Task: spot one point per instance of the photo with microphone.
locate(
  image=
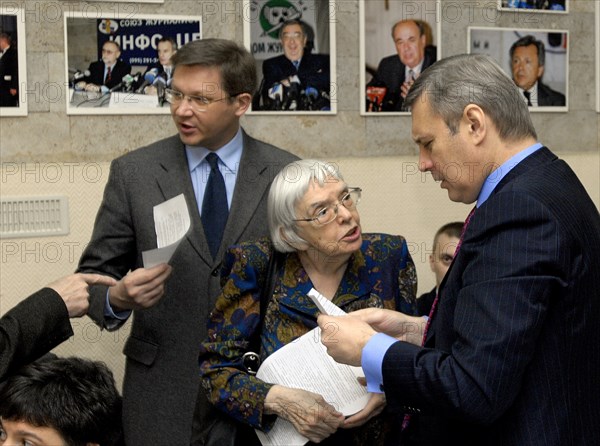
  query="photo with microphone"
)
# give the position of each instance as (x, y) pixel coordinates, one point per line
(123, 65)
(298, 79)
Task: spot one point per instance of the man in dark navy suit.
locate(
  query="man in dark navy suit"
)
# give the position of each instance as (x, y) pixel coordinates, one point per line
(163, 68)
(107, 72)
(297, 79)
(397, 73)
(509, 355)
(527, 59)
(9, 72)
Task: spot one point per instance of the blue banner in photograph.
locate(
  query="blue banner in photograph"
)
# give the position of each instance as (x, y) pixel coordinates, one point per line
(138, 38)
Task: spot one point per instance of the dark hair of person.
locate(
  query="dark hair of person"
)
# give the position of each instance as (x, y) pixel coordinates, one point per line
(238, 68)
(293, 22)
(76, 397)
(452, 229)
(530, 40)
(171, 40)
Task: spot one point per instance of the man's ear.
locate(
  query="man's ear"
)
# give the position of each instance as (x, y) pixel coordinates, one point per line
(244, 101)
(474, 117)
(540, 72)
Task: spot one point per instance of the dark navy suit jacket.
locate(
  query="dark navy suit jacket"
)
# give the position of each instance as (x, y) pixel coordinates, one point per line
(547, 96)
(96, 69)
(9, 78)
(313, 71)
(516, 333)
(390, 74)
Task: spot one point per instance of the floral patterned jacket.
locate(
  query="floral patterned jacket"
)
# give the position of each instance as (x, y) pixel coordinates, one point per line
(382, 275)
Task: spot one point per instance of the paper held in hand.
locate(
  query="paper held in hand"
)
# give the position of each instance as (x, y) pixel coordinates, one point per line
(305, 364)
(171, 223)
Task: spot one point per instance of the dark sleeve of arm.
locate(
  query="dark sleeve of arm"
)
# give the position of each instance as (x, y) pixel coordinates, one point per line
(112, 248)
(31, 329)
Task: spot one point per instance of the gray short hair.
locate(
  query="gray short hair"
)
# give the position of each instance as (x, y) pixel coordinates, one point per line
(288, 187)
(454, 82)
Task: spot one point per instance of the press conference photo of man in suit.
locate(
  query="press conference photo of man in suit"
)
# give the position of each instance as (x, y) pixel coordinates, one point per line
(224, 175)
(527, 60)
(9, 72)
(297, 79)
(107, 72)
(508, 355)
(395, 74)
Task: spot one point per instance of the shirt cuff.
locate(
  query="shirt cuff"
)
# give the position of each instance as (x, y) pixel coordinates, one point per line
(110, 314)
(372, 360)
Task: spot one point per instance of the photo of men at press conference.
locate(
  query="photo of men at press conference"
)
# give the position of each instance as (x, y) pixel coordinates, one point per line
(291, 44)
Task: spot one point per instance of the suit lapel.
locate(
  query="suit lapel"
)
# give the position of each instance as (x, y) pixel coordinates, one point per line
(174, 179)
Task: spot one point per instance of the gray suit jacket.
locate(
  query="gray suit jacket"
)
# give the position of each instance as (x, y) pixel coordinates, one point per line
(162, 374)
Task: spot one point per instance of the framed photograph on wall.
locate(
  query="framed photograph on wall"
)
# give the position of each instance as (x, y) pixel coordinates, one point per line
(552, 6)
(13, 72)
(120, 64)
(536, 59)
(293, 42)
(398, 40)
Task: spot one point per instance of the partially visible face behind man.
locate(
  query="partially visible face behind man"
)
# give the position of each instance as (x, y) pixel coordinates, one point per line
(165, 51)
(21, 433)
(410, 44)
(526, 69)
(441, 258)
(294, 41)
(110, 53)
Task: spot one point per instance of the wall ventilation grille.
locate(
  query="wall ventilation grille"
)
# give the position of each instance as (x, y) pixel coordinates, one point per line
(34, 216)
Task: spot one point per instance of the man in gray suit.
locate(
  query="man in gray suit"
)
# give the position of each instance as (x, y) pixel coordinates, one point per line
(212, 86)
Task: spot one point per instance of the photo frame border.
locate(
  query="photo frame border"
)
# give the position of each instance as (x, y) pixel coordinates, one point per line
(539, 109)
(22, 109)
(362, 42)
(332, 66)
(533, 11)
(127, 110)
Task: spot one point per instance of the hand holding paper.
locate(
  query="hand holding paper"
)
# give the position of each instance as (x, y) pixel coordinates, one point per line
(171, 223)
(304, 364)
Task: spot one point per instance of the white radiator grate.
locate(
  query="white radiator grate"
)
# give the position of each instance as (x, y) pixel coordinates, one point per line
(34, 216)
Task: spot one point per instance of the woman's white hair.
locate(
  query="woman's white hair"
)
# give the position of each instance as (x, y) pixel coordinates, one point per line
(288, 187)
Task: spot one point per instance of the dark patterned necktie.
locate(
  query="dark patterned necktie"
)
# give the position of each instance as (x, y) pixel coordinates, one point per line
(528, 97)
(214, 206)
(406, 420)
(108, 76)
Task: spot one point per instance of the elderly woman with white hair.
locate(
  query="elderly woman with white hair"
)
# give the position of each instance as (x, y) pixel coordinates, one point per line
(314, 221)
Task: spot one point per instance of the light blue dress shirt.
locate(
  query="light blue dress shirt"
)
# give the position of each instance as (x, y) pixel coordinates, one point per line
(375, 350)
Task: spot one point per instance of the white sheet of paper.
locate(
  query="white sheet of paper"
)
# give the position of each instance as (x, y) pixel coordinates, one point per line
(305, 364)
(324, 305)
(171, 223)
